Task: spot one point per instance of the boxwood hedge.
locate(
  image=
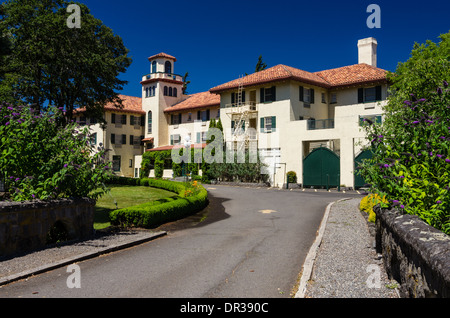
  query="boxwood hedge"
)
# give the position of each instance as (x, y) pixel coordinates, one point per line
(152, 214)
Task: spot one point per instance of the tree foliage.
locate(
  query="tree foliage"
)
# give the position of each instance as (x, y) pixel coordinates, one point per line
(53, 64)
(411, 149)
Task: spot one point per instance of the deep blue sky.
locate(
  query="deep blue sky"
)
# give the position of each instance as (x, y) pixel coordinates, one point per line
(217, 41)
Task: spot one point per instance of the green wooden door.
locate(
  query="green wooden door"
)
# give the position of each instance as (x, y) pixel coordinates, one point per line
(321, 168)
(359, 180)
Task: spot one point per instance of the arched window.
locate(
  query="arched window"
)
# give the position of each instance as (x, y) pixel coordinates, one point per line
(166, 91)
(175, 92)
(154, 67)
(153, 90)
(168, 68)
(170, 91)
(150, 120)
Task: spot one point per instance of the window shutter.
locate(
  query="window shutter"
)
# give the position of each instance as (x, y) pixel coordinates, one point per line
(207, 114)
(274, 124)
(243, 97)
(262, 125)
(179, 118)
(311, 98)
(360, 95)
(199, 115)
(143, 121)
(113, 118)
(233, 99)
(262, 96)
(131, 139)
(171, 140)
(198, 137)
(113, 139)
(171, 119)
(301, 93)
(378, 93)
(232, 124)
(274, 93)
(131, 120)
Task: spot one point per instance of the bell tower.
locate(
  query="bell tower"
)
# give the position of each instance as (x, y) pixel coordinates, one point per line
(161, 88)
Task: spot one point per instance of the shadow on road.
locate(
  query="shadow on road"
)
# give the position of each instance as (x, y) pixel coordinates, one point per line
(214, 212)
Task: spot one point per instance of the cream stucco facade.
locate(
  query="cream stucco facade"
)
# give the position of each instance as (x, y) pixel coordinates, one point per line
(285, 116)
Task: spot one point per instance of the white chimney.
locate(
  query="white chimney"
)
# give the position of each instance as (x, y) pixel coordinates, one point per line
(367, 51)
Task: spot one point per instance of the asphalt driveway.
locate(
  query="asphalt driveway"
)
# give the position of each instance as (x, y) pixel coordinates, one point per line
(249, 243)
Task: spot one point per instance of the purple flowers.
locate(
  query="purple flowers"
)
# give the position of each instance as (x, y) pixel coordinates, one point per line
(445, 84)
(65, 166)
(447, 160)
(438, 202)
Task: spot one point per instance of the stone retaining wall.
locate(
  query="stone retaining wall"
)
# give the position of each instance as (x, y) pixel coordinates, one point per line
(415, 254)
(24, 225)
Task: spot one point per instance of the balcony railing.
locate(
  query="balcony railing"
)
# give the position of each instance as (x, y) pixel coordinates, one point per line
(161, 75)
(314, 124)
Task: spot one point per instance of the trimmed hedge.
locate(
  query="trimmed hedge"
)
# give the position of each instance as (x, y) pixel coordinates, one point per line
(152, 214)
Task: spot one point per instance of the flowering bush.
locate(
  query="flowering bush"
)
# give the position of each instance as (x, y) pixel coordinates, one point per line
(42, 159)
(411, 158)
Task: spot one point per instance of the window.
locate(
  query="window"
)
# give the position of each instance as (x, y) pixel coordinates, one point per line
(93, 139)
(170, 91)
(124, 119)
(307, 96)
(189, 117)
(116, 163)
(150, 120)
(175, 92)
(175, 140)
(324, 98)
(124, 139)
(203, 115)
(113, 118)
(333, 98)
(373, 118)
(113, 139)
(166, 91)
(130, 165)
(131, 140)
(175, 119)
(153, 67)
(370, 94)
(268, 94)
(268, 124)
(168, 67)
(201, 137)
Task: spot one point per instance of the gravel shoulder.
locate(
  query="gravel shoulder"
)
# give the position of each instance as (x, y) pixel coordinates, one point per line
(346, 263)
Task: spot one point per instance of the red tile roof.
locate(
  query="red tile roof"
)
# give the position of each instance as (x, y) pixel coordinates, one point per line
(163, 55)
(353, 74)
(343, 76)
(131, 105)
(196, 101)
(162, 148)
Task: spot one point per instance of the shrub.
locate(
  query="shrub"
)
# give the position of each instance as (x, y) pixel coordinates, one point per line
(368, 202)
(411, 148)
(43, 159)
(292, 177)
(150, 214)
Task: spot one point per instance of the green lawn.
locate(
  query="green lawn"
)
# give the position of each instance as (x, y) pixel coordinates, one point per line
(125, 196)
